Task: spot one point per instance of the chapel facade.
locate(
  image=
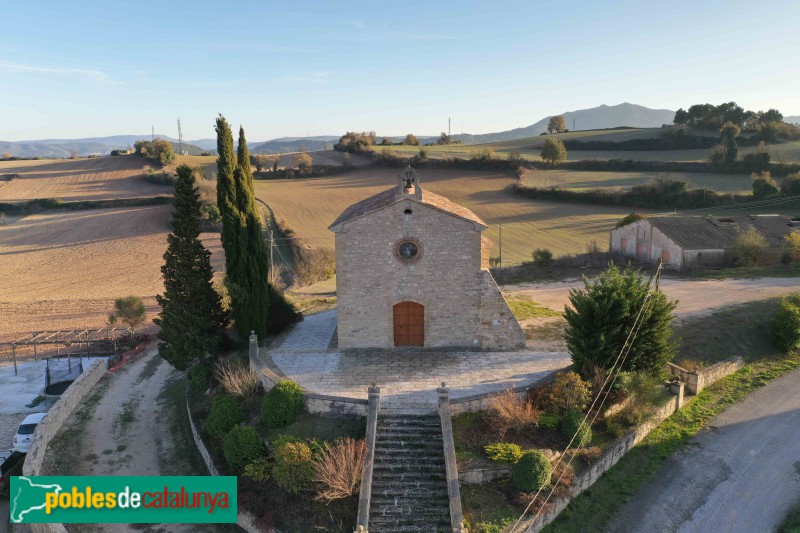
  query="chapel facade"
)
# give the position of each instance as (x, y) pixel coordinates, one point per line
(409, 273)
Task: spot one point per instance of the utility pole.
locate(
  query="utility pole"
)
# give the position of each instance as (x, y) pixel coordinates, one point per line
(152, 133)
(271, 261)
(448, 126)
(573, 124)
(180, 137)
(501, 246)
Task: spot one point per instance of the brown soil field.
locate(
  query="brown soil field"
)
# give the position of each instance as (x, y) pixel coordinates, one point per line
(64, 270)
(101, 178)
(309, 205)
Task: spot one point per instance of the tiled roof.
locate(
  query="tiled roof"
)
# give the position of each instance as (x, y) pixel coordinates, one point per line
(390, 196)
(709, 233)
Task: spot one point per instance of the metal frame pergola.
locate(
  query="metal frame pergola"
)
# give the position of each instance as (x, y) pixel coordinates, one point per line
(84, 338)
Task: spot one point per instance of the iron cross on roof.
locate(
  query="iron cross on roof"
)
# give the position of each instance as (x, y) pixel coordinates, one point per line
(409, 177)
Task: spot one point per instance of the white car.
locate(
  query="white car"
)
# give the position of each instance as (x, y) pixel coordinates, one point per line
(22, 440)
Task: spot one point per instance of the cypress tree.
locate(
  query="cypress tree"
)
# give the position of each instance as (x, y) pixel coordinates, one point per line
(191, 319)
(226, 193)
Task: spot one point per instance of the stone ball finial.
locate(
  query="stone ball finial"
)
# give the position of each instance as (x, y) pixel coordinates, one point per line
(444, 385)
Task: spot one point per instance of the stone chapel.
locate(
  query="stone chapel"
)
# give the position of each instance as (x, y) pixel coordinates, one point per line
(409, 272)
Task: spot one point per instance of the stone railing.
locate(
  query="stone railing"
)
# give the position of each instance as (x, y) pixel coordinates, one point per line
(697, 380)
(365, 492)
(451, 469)
(482, 401)
(51, 424)
(320, 404)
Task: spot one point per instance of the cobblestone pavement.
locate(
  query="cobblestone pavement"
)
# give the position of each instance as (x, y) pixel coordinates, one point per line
(406, 377)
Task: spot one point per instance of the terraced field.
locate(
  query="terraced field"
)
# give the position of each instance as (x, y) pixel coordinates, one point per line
(310, 205)
(103, 178)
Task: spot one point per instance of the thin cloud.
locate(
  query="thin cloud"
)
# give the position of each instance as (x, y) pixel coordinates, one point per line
(91, 74)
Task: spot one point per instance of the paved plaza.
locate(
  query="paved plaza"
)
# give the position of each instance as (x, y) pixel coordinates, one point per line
(406, 377)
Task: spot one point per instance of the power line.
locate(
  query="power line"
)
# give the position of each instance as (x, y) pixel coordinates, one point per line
(618, 362)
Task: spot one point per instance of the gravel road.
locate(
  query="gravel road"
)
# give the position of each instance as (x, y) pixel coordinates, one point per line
(695, 296)
(740, 474)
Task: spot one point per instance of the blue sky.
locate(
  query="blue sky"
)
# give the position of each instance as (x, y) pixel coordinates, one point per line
(81, 69)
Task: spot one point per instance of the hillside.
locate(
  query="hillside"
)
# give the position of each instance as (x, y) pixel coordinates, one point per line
(62, 148)
(792, 120)
(602, 117)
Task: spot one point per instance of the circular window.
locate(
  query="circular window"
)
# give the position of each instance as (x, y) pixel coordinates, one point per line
(408, 250)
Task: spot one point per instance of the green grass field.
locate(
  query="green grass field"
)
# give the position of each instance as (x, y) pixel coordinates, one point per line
(530, 148)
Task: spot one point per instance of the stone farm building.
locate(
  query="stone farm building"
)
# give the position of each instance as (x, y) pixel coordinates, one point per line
(409, 273)
(690, 241)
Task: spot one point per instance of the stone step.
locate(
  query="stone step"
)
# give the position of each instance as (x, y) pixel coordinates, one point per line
(396, 459)
(391, 441)
(403, 490)
(410, 430)
(401, 420)
(427, 504)
(409, 453)
(407, 524)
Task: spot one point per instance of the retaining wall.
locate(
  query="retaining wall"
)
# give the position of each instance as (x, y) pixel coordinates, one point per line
(244, 519)
(51, 424)
(697, 380)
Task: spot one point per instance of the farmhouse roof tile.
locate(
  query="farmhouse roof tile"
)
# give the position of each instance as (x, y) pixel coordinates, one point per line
(390, 196)
(710, 233)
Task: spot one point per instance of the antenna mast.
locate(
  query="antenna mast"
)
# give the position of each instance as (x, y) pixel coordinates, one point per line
(448, 126)
(152, 133)
(180, 137)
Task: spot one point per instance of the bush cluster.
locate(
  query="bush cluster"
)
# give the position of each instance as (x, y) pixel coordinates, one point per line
(282, 404)
(241, 446)
(293, 470)
(200, 374)
(503, 452)
(572, 424)
(225, 413)
(532, 471)
(784, 327)
(570, 393)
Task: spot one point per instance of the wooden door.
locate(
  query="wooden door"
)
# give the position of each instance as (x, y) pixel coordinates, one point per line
(409, 324)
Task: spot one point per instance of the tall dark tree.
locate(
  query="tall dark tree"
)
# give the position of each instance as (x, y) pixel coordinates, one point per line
(191, 319)
(602, 316)
(728, 134)
(226, 194)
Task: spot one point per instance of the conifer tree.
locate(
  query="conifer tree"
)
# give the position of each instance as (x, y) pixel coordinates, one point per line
(191, 319)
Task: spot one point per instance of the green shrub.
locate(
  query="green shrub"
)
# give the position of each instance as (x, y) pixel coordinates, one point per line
(199, 375)
(784, 327)
(532, 471)
(283, 439)
(542, 257)
(225, 413)
(503, 452)
(644, 391)
(294, 467)
(614, 427)
(282, 404)
(573, 424)
(259, 469)
(549, 420)
(242, 445)
(282, 313)
(570, 392)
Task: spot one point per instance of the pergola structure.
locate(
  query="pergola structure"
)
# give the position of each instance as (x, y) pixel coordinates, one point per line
(85, 340)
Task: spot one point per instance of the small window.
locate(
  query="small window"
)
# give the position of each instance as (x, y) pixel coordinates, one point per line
(665, 256)
(26, 429)
(624, 244)
(407, 211)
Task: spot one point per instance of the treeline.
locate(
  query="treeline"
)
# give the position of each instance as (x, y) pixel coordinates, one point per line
(768, 125)
(659, 194)
(47, 204)
(669, 140)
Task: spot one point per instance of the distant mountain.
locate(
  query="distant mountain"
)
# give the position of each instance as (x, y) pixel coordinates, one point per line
(92, 145)
(295, 144)
(601, 117)
(792, 120)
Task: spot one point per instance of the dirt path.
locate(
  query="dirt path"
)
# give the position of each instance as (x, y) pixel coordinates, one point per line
(740, 474)
(695, 297)
(134, 424)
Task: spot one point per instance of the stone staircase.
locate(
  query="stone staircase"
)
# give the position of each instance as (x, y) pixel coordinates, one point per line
(409, 484)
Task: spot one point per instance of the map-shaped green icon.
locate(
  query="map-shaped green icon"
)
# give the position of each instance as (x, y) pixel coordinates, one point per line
(28, 497)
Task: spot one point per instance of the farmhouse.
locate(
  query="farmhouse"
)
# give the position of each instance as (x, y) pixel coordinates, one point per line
(688, 241)
(409, 273)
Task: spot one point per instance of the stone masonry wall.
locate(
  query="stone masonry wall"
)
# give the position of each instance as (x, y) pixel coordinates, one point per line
(51, 424)
(446, 279)
(499, 328)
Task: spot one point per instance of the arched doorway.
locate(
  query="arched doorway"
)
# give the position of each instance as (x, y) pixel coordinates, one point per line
(409, 324)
